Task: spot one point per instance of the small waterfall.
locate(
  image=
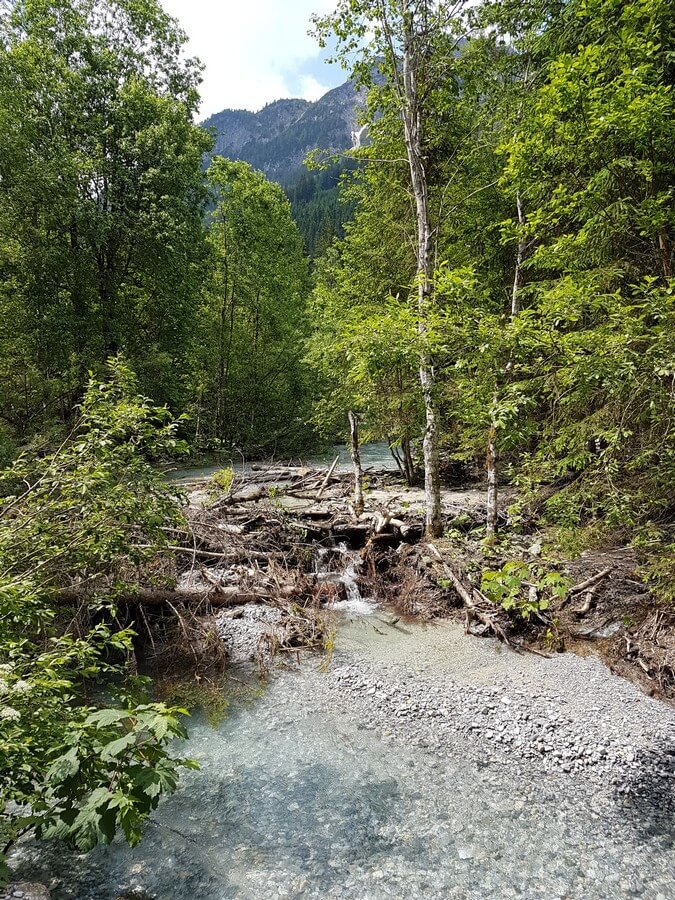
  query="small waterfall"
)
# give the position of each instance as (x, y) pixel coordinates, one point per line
(347, 574)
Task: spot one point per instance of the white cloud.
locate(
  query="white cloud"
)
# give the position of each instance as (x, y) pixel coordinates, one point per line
(255, 51)
(311, 88)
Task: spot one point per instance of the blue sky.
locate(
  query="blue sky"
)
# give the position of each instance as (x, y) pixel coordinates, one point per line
(255, 51)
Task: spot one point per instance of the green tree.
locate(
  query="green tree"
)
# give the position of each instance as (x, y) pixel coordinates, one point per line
(411, 42)
(372, 277)
(593, 163)
(249, 384)
(101, 200)
(363, 343)
(550, 192)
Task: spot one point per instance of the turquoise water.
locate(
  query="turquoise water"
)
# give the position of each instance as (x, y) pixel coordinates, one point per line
(377, 456)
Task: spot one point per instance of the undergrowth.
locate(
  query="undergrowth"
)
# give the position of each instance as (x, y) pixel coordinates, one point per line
(207, 695)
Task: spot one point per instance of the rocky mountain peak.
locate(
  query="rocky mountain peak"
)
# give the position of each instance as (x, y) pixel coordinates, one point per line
(278, 137)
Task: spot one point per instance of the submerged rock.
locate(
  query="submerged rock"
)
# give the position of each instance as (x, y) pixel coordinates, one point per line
(25, 890)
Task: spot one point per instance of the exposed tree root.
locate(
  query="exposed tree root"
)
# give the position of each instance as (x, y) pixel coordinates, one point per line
(652, 647)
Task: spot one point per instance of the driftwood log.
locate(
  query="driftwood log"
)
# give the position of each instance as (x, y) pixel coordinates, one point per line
(212, 594)
(156, 596)
(589, 587)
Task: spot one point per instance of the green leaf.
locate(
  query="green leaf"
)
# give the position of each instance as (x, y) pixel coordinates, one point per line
(64, 767)
(117, 747)
(104, 717)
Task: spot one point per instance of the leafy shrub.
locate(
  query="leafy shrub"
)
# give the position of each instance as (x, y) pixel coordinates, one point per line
(510, 588)
(82, 519)
(222, 479)
(658, 567)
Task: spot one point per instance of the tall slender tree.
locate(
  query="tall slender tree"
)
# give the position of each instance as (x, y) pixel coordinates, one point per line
(248, 384)
(403, 39)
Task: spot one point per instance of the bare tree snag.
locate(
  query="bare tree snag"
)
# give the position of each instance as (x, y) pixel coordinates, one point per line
(520, 256)
(356, 463)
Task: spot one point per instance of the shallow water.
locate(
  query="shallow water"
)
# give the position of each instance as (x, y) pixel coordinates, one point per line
(297, 797)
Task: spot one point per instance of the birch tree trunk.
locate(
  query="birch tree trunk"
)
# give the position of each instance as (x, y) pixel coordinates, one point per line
(356, 462)
(412, 122)
(493, 489)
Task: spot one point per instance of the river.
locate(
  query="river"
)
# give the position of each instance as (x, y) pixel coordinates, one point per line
(375, 455)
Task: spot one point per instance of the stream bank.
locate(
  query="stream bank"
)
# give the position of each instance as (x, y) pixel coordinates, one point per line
(255, 540)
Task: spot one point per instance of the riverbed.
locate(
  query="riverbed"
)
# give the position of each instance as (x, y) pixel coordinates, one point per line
(419, 764)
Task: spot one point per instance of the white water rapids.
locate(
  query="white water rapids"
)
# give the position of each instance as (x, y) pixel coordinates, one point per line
(346, 573)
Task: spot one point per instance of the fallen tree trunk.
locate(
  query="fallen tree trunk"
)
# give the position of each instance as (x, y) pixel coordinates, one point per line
(236, 554)
(215, 597)
(589, 586)
(328, 477)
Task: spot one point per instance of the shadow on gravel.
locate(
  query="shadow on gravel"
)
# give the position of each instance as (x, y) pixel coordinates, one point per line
(271, 828)
(647, 796)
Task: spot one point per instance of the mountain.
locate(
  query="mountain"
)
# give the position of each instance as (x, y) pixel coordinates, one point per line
(277, 139)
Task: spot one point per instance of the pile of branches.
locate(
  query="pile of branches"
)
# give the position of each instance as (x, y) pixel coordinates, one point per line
(419, 581)
(300, 628)
(255, 542)
(403, 579)
(239, 548)
(178, 638)
(651, 646)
